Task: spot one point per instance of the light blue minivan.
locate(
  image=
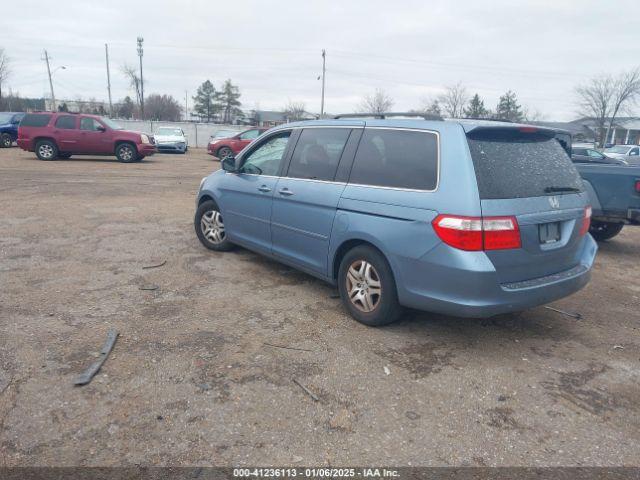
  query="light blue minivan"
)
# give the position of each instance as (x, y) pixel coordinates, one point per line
(461, 217)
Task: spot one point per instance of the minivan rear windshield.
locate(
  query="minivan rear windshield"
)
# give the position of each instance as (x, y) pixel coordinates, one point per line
(512, 163)
(35, 120)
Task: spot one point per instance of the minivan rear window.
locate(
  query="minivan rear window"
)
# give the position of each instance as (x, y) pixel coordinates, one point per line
(511, 163)
(396, 158)
(35, 120)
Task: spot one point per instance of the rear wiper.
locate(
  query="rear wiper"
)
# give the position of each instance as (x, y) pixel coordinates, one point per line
(561, 189)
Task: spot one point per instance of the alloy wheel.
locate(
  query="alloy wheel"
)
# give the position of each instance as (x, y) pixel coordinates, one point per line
(126, 153)
(212, 226)
(45, 151)
(363, 286)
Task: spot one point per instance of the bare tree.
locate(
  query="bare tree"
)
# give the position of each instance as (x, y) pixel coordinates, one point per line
(378, 102)
(4, 69)
(294, 111)
(595, 101)
(131, 74)
(162, 107)
(454, 100)
(626, 90)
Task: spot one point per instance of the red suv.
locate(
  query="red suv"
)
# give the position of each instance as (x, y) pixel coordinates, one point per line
(60, 135)
(223, 147)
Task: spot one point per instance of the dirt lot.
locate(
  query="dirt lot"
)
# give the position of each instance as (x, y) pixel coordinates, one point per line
(193, 380)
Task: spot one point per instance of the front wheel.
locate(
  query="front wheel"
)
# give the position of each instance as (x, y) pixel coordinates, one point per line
(5, 140)
(126, 153)
(367, 287)
(210, 227)
(602, 231)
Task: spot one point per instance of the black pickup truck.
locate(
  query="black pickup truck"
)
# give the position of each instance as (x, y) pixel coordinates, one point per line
(614, 191)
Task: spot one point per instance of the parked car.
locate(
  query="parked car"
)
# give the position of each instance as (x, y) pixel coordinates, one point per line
(628, 153)
(591, 155)
(233, 145)
(171, 139)
(9, 128)
(61, 135)
(465, 218)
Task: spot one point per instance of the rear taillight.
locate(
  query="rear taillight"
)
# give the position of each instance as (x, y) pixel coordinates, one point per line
(478, 233)
(586, 221)
(638, 186)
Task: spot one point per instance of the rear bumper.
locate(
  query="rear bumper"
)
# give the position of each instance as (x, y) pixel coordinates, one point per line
(465, 284)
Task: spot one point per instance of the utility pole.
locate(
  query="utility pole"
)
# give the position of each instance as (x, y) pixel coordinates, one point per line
(106, 52)
(53, 97)
(324, 55)
(140, 53)
(186, 107)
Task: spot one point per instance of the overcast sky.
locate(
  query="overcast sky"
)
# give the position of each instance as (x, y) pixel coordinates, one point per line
(540, 49)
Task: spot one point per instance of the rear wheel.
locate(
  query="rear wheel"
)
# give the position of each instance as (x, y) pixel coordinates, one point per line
(126, 153)
(46, 150)
(224, 152)
(5, 140)
(602, 231)
(367, 287)
(210, 227)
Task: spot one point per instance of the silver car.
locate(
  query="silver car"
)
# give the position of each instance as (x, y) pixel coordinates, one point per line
(628, 153)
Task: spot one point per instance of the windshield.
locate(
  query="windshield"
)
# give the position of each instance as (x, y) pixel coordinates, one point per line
(622, 150)
(110, 123)
(514, 164)
(169, 131)
(5, 118)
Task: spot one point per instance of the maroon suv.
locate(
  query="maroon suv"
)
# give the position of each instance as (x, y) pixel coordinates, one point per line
(60, 135)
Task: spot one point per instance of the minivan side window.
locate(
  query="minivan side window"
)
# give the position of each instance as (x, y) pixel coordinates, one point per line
(66, 122)
(318, 153)
(35, 120)
(267, 157)
(396, 158)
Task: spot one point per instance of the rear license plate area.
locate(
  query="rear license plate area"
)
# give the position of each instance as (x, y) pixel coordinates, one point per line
(549, 232)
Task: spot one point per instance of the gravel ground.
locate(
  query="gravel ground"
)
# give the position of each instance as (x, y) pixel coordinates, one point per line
(195, 378)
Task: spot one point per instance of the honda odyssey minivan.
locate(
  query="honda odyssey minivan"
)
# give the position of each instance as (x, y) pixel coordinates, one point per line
(465, 218)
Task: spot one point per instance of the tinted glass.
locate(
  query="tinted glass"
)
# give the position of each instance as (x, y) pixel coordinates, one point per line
(250, 135)
(396, 158)
(35, 120)
(318, 152)
(579, 151)
(634, 152)
(89, 124)
(266, 159)
(594, 154)
(514, 164)
(67, 122)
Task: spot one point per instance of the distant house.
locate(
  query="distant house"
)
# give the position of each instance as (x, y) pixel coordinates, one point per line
(625, 130)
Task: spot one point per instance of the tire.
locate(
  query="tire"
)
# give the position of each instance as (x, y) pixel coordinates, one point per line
(368, 267)
(224, 152)
(210, 227)
(64, 155)
(46, 150)
(602, 231)
(126, 153)
(6, 141)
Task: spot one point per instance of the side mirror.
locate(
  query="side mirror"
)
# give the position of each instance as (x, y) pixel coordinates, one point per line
(100, 128)
(229, 164)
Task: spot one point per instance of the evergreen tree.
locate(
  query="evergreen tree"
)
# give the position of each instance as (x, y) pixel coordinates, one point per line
(476, 109)
(508, 108)
(229, 101)
(126, 108)
(206, 100)
(433, 109)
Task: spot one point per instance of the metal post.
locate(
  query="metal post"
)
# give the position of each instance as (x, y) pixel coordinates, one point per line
(186, 107)
(53, 97)
(324, 54)
(140, 53)
(106, 51)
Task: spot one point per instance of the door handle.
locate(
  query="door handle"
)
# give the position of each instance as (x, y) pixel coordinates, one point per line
(264, 189)
(285, 191)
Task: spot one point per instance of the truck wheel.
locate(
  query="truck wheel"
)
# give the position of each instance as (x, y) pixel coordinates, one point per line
(126, 153)
(602, 231)
(6, 141)
(46, 150)
(367, 287)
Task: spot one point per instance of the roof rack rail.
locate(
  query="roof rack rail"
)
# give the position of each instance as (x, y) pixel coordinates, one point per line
(488, 119)
(382, 116)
